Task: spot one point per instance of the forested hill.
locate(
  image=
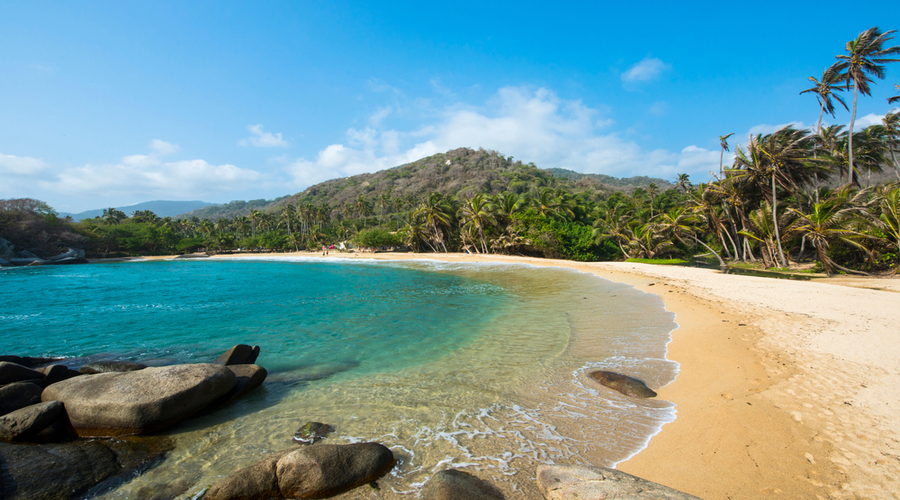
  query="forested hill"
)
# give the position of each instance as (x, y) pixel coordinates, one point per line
(459, 172)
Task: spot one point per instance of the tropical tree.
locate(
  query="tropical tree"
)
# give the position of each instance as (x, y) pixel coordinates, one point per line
(890, 214)
(723, 144)
(891, 122)
(827, 222)
(896, 98)
(680, 224)
(825, 91)
(437, 213)
(683, 181)
(866, 55)
(112, 217)
(475, 219)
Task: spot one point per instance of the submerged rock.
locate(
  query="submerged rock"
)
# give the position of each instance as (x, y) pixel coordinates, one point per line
(455, 484)
(137, 402)
(247, 378)
(598, 483)
(311, 432)
(628, 386)
(319, 471)
(56, 471)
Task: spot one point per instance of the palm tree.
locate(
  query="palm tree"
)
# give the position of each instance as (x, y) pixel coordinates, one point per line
(112, 217)
(896, 98)
(825, 92)
(827, 222)
(680, 224)
(865, 56)
(779, 159)
(475, 218)
(437, 213)
(288, 213)
(890, 213)
(683, 181)
(723, 143)
(891, 123)
(255, 218)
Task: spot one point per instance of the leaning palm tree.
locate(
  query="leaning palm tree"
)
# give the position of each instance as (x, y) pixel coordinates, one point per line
(825, 91)
(827, 222)
(891, 122)
(683, 181)
(723, 143)
(779, 159)
(865, 56)
(680, 224)
(890, 214)
(476, 217)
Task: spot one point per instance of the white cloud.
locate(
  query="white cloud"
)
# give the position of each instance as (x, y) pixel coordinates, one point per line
(20, 165)
(648, 69)
(771, 129)
(262, 139)
(532, 125)
(162, 148)
(866, 121)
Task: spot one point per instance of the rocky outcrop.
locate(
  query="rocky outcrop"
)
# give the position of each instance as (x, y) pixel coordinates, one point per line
(241, 354)
(247, 378)
(10, 257)
(628, 386)
(455, 484)
(27, 361)
(111, 367)
(319, 471)
(598, 483)
(27, 422)
(18, 395)
(56, 373)
(137, 402)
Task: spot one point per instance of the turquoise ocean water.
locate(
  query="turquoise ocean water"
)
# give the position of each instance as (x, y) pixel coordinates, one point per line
(479, 367)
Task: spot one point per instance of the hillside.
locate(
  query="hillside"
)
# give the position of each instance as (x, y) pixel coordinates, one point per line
(459, 172)
(161, 208)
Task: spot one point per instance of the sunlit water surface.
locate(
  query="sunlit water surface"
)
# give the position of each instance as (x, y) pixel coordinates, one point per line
(479, 367)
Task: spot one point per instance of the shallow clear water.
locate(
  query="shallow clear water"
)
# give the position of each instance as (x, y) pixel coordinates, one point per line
(480, 367)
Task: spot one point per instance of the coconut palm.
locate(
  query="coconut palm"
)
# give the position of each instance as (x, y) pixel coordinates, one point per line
(437, 213)
(476, 218)
(288, 214)
(865, 56)
(680, 224)
(889, 204)
(723, 143)
(683, 181)
(779, 159)
(112, 216)
(825, 91)
(891, 122)
(827, 222)
(896, 98)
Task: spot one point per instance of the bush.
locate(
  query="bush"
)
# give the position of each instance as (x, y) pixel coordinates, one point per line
(377, 237)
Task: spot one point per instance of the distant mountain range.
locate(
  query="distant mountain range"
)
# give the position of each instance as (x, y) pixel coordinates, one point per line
(161, 208)
(460, 172)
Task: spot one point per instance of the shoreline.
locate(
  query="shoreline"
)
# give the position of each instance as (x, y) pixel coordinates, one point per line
(786, 388)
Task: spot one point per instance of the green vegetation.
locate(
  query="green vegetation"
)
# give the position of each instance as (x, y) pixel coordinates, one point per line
(819, 196)
(660, 262)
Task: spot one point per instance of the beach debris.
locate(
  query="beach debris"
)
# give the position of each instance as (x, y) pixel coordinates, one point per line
(311, 432)
(318, 471)
(137, 402)
(628, 386)
(453, 484)
(558, 482)
(241, 354)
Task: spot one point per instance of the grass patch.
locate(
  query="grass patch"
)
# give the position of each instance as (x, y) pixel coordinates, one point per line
(662, 262)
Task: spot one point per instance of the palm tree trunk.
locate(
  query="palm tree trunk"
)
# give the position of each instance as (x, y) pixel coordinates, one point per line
(850, 134)
(775, 222)
(721, 262)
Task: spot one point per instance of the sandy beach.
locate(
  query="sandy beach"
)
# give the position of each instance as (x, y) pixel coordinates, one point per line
(786, 388)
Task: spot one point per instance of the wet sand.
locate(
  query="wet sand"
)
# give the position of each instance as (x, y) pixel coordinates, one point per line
(786, 388)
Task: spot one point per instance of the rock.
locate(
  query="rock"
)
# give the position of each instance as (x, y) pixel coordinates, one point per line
(70, 260)
(195, 255)
(12, 372)
(241, 354)
(626, 385)
(28, 421)
(136, 402)
(260, 481)
(18, 395)
(326, 470)
(56, 471)
(598, 483)
(455, 484)
(110, 367)
(56, 373)
(319, 471)
(311, 432)
(7, 249)
(29, 362)
(248, 377)
(5, 263)
(72, 253)
(83, 469)
(26, 261)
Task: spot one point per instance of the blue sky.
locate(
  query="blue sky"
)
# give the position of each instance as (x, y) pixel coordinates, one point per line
(111, 104)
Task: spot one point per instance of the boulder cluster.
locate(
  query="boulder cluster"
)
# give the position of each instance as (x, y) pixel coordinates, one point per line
(55, 410)
(10, 257)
